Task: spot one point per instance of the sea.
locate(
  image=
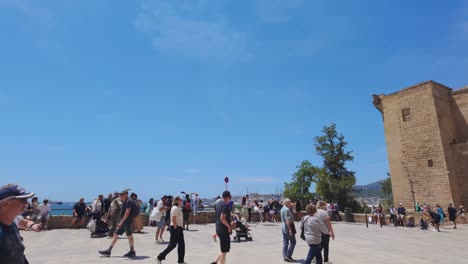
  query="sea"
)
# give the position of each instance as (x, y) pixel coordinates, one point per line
(66, 208)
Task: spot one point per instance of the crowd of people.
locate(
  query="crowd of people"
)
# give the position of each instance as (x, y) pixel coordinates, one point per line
(121, 213)
(434, 216)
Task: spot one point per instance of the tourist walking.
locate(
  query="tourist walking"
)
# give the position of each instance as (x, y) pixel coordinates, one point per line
(272, 209)
(161, 218)
(452, 215)
(114, 212)
(322, 215)
(186, 210)
(196, 205)
(314, 228)
(148, 209)
(13, 200)
(461, 213)
(79, 210)
(392, 215)
(177, 233)
(435, 219)
(124, 226)
(440, 211)
(288, 230)
(223, 227)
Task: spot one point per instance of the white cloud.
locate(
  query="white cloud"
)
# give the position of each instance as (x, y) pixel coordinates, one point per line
(190, 29)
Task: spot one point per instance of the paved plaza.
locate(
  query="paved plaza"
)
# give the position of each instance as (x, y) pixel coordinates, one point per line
(354, 244)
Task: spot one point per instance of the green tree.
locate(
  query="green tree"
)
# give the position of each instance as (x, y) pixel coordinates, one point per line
(335, 182)
(299, 187)
(387, 189)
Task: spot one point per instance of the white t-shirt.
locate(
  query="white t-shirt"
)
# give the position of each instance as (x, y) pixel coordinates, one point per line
(322, 215)
(44, 209)
(97, 206)
(177, 212)
(161, 212)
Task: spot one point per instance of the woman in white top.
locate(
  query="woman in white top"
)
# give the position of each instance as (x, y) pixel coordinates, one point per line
(313, 229)
(177, 233)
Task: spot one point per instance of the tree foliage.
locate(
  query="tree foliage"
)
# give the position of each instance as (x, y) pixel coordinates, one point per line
(335, 182)
(387, 189)
(299, 187)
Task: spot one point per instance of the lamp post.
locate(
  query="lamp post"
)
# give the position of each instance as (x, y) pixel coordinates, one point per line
(411, 183)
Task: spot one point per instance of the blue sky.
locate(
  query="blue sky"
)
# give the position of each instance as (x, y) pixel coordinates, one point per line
(165, 96)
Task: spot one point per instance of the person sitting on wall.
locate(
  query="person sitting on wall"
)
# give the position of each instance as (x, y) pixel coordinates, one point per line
(401, 215)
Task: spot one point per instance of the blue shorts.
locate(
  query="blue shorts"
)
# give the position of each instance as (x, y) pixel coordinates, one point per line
(161, 223)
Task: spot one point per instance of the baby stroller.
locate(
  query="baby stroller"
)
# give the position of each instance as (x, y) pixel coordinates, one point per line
(242, 230)
(97, 227)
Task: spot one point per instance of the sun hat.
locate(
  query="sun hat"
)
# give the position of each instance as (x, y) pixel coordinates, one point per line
(124, 191)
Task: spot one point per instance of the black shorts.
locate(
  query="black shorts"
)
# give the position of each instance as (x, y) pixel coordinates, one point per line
(186, 215)
(127, 228)
(224, 242)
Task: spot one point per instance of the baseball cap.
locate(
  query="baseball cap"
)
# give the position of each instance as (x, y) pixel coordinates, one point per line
(226, 194)
(13, 191)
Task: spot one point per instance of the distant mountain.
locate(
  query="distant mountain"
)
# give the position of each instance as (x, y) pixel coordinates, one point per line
(370, 190)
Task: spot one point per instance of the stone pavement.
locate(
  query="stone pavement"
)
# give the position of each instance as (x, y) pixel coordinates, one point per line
(354, 244)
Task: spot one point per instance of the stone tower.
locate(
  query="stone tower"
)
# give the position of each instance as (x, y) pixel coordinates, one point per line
(426, 132)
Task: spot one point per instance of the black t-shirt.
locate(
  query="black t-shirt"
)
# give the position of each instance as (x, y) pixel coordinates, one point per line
(222, 208)
(107, 203)
(401, 210)
(80, 209)
(452, 213)
(127, 204)
(11, 247)
(435, 216)
(298, 206)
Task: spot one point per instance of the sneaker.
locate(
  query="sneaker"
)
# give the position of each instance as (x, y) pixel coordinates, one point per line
(105, 253)
(158, 260)
(130, 254)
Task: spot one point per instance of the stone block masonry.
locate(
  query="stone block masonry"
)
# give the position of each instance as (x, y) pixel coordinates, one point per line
(426, 133)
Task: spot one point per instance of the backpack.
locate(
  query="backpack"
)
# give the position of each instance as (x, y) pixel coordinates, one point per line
(135, 210)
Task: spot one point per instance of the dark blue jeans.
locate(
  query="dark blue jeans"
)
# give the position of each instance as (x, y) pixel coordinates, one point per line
(289, 243)
(314, 252)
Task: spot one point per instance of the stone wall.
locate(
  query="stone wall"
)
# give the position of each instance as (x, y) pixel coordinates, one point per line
(63, 222)
(422, 123)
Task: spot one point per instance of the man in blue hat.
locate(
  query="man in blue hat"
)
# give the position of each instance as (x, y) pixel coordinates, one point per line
(13, 201)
